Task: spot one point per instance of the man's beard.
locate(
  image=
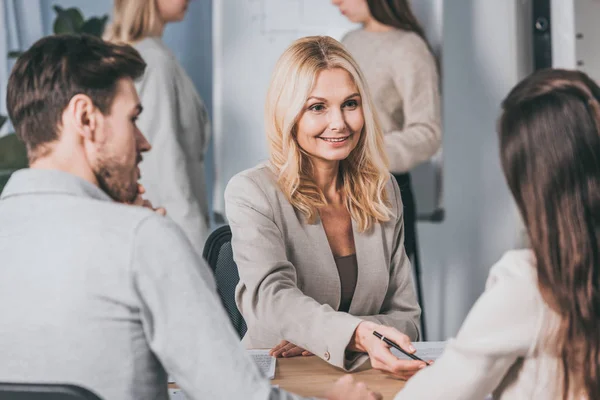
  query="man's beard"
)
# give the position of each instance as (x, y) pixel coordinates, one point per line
(117, 181)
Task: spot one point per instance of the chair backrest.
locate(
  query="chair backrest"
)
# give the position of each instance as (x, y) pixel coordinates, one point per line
(219, 255)
(44, 391)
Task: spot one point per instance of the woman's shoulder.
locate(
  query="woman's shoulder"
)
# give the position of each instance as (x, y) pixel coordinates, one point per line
(352, 35)
(407, 37)
(393, 194)
(155, 53)
(402, 43)
(517, 267)
(260, 179)
(396, 38)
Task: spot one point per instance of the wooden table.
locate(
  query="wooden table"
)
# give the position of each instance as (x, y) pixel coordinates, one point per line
(311, 376)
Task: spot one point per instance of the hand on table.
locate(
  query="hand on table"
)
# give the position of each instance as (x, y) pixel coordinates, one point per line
(287, 349)
(379, 353)
(140, 201)
(346, 388)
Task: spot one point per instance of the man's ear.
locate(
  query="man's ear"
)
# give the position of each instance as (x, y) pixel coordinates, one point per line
(84, 116)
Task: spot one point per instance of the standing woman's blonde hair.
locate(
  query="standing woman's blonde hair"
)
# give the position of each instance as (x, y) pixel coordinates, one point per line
(133, 20)
(364, 174)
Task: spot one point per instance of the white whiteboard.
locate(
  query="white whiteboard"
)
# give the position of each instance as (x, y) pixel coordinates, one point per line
(248, 38)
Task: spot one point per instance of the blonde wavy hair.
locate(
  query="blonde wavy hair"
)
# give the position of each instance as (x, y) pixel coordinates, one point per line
(132, 21)
(364, 174)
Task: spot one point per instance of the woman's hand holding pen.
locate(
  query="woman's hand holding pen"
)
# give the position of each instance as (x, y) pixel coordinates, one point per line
(379, 352)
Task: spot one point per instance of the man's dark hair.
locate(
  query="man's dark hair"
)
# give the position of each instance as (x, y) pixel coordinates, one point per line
(56, 68)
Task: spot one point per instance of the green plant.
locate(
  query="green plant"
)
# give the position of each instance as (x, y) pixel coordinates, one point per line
(13, 155)
(71, 20)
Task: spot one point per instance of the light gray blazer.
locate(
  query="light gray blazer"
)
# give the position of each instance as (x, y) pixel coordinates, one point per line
(289, 283)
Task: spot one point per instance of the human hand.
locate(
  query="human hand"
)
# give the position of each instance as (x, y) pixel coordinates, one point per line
(287, 349)
(346, 388)
(140, 201)
(379, 352)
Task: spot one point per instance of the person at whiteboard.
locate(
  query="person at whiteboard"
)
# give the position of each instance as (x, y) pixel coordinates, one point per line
(318, 231)
(534, 333)
(175, 122)
(402, 75)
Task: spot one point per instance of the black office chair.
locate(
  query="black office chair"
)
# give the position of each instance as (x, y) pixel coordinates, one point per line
(219, 255)
(44, 391)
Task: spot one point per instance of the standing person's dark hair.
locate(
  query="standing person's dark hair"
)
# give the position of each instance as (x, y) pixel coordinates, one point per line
(550, 149)
(396, 13)
(399, 14)
(52, 71)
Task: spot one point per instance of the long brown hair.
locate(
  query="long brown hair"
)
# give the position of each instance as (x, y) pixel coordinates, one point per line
(550, 150)
(396, 13)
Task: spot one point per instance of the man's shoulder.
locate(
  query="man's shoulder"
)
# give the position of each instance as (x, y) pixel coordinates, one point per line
(131, 219)
(126, 213)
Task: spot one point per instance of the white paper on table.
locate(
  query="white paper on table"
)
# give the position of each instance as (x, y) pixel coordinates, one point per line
(425, 351)
(265, 362)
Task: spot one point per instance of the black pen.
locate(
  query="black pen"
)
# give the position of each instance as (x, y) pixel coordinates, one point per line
(394, 345)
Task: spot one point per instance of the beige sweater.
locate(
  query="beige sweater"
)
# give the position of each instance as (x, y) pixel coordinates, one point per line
(403, 80)
(501, 347)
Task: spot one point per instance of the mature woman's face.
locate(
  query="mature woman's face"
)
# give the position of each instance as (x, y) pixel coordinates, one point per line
(330, 126)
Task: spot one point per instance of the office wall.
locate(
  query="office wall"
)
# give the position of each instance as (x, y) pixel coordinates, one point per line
(562, 22)
(485, 52)
(575, 35)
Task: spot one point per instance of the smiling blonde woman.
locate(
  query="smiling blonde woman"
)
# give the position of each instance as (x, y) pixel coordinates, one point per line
(318, 231)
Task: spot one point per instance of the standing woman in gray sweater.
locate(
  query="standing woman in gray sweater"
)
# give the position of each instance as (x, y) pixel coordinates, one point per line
(175, 120)
(402, 75)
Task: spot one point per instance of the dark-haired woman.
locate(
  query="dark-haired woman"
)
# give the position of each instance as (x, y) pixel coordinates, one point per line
(535, 332)
(402, 75)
